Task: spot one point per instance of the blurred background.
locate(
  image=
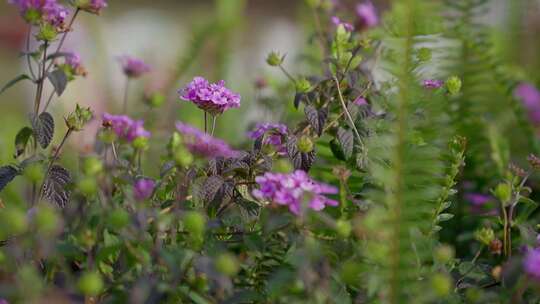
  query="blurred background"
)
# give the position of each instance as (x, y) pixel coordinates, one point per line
(220, 39)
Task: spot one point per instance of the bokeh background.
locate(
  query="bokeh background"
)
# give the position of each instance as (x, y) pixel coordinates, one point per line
(217, 39)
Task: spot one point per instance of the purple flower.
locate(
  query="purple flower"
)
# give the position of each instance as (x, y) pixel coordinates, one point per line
(530, 96)
(3, 301)
(294, 190)
(213, 98)
(367, 15)
(92, 6)
(203, 144)
(36, 11)
(480, 203)
(531, 263)
(337, 22)
(275, 137)
(124, 127)
(143, 189)
(133, 67)
(432, 83)
(360, 101)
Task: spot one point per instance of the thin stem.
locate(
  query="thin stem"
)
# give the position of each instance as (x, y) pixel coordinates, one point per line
(49, 101)
(126, 95)
(27, 55)
(114, 151)
(64, 36)
(205, 124)
(473, 264)
(346, 111)
(214, 118)
(291, 78)
(41, 80)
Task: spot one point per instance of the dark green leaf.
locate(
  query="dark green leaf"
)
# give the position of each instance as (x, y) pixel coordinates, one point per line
(7, 174)
(43, 129)
(54, 188)
(316, 118)
(210, 187)
(59, 81)
(302, 161)
(14, 81)
(21, 140)
(346, 140)
(298, 97)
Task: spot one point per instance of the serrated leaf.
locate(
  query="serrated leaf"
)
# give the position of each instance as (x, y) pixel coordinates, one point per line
(316, 118)
(54, 188)
(444, 217)
(59, 81)
(210, 187)
(43, 127)
(302, 161)
(14, 81)
(21, 140)
(7, 174)
(346, 141)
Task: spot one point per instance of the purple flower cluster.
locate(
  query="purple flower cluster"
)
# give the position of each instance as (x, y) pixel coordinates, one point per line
(92, 6)
(367, 15)
(213, 98)
(204, 144)
(35, 11)
(134, 67)
(480, 203)
(531, 263)
(360, 101)
(143, 189)
(432, 83)
(530, 96)
(275, 138)
(337, 22)
(294, 190)
(124, 127)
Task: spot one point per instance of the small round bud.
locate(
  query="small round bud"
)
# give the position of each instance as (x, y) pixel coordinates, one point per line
(88, 186)
(13, 221)
(140, 143)
(503, 192)
(183, 157)
(343, 228)
(227, 264)
(444, 254)
(34, 172)
(47, 32)
(194, 222)
(484, 236)
(274, 59)
(46, 220)
(441, 284)
(118, 219)
(92, 166)
(90, 284)
(79, 118)
(305, 144)
(453, 85)
(303, 85)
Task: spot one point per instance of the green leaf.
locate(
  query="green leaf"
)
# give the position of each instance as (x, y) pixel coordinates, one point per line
(21, 140)
(7, 174)
(14, 81)
(346, 140)
(59, 81)
(54, 188)
(316, 118)
(444, 217)
(43, 127)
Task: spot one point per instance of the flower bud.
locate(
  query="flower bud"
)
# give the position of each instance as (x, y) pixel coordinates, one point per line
(503, 192)
(484, 236)
(441, 284)
(140, 143)
(227, 264)
(47, 220)
(444, 254)
(92, 166)
(343, 228)
(32, 16)
(453, 85)
(303, 85)
(118, 219)
(34, 172)
(88, 186)
(47, 32)
(305, 144)
(79, 118)
(183, 157)
(195, 223)
(90, 284)
(274, 59)
(13, 221)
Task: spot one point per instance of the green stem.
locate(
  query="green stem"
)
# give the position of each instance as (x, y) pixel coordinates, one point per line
(126, 95)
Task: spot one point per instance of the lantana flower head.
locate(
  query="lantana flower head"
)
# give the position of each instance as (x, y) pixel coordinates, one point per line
(294, 190)
(73, 65)
(337, 22)
(124, 127)
(134, 67)
(143, 189)
(36, 11)
(367, 15)
(91, 6)
(203, 144)
(530, 97)
(432, 83)
(531, 263)
(275, 135)
(213, 98)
